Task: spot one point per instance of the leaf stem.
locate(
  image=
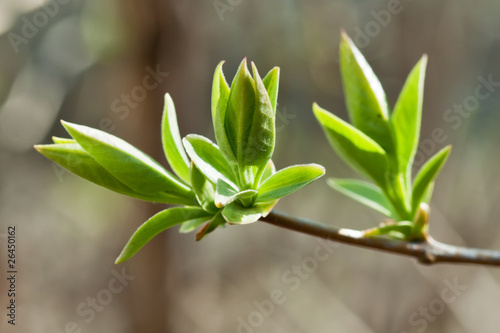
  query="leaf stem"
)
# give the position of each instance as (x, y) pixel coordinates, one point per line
(428, 251)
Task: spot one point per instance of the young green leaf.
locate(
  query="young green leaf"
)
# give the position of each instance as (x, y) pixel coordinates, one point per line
(427, 174)
(249, 121)
(363, 192)
(271, 82)
(406, 118)
(128, 164)
(209, 159)
(261, 139)
(220, 98)
(225, 194)
(396, 192)
(365, 97)
(203, 189)
(171, 141)
(235, 213)
(399, 230)
(217, 220)
(426, 198)
(220, 92)
(268, 171)
(56, 139)
(288, 180)
(73, 158)
(158, 223)
(240, 107)
(192, 225)
(353, 146)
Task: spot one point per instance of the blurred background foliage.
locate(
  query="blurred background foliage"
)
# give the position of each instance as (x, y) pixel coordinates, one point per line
(79, 60)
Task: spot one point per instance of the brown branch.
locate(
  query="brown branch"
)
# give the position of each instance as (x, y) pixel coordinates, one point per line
(426, 252)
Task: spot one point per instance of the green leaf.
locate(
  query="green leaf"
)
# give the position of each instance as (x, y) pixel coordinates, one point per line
(428, 194)
(209, 159)
(406, 119)
(400, 230)
(158, 223)
(235, 213)
(203, 189)
(220, 92)
(56, 139)
(72, 157)
(365, 97)
(128, 164)
(172, 143)
(271, 82)
(288, 180)
(75, 159)
(268, 171)
(427, 174)
(220, 97)
(354, 147)
(366, 193)
(225, 194)
(240, 108)
(249, 121)
(217, 220)
(193, 224)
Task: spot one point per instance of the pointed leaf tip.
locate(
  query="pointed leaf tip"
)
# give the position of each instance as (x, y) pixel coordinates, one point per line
(271, 82)
(129, 165)
(427, 174)
(220, 98)
(365, 98)
(158, 223)
(171, 141)
(407, 115)
(249, 120)
(288, 180)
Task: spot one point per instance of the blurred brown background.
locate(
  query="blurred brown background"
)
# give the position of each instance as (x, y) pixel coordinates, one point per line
(79, 60)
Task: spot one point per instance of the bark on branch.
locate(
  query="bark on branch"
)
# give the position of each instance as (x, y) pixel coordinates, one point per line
(427, 252)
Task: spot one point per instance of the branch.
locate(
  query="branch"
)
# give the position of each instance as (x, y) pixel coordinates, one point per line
(427, 252)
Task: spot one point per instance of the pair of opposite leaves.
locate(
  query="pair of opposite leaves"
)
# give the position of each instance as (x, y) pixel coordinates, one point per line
(236, 182)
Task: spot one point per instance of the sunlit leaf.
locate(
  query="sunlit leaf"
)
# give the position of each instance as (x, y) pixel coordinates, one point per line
(225, 194)
(209, 159)
(356, 149)
(56, 139)
(365, 97)
(193, 224)
(406, 118)
(172, 143)
(203, 189)
(217, 220)
(428, 194)
(400, 230)
(235, 213)
(288, 180)
(75, 159)
(427, 174)
(268, 171)
(363, 192)
(271, 82)
(220, 97)
(128, 164)
(249, 121)
(158, 223)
